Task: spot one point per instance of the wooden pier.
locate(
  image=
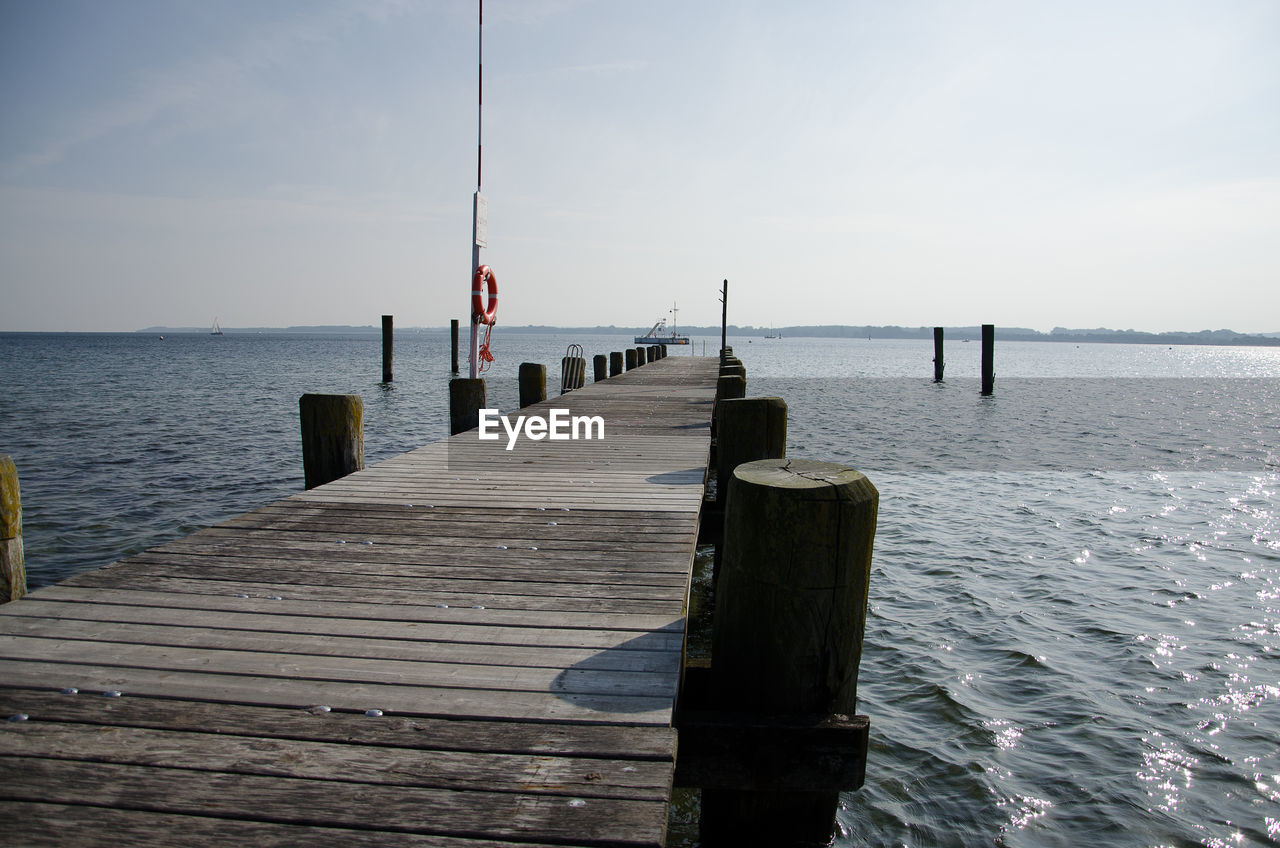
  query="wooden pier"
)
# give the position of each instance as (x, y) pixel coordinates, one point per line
(461, 647)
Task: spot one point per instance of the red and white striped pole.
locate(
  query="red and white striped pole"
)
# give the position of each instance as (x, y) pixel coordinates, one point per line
(477, 237)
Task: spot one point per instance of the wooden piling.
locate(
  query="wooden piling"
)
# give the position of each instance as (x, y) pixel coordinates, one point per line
(631, 358)
(466, 399)
(988, 358)
(750, 429)
(332, 437)
(937, 355)
(453, 344)
(616, 366)
(387, 348)
(533, 383)
(600, 366)
(791, 608)
(641, 359)
(13, 568)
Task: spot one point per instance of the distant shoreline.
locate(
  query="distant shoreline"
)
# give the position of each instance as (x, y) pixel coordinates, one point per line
(1016, 334)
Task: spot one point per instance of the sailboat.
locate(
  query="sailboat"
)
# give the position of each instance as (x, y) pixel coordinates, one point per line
(216, 331)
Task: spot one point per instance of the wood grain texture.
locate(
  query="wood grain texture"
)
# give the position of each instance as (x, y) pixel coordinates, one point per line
(515, 618)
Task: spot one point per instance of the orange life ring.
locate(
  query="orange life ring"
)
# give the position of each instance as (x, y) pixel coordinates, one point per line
(484, 277)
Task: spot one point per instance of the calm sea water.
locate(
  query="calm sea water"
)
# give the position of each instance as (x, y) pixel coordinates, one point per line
(1074, 634)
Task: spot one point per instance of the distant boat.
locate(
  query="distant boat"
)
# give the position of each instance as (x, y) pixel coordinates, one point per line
(216, 331)
(658, 332)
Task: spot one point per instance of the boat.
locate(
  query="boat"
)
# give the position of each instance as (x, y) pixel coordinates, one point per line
(216, 331)
(658, 333)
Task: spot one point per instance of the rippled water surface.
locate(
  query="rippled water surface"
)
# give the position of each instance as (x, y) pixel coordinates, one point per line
(1074, 634)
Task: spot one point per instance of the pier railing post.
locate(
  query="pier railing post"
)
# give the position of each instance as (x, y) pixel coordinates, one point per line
(600, 366)
(988, 358)
(631, 358)
(387, 348)
(641, 359)
(616, 366)
(13, 568)
(466, 399)
(937, 355)
(332, 437)
(533, 384)
(791, 607)
(453, 344)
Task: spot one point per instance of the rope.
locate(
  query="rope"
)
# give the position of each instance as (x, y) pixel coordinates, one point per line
(485, 355)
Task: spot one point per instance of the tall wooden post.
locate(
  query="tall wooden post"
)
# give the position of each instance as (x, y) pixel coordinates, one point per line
(791, 607)
(600, 366)
(615, 363)
(453, 344)
(466, 399)
(631, 358)
(13, 567)
(332, 437)
(937, 355)
(988, 358)
(724, 321)
(640, 357)
(387, 348)
(533, 383)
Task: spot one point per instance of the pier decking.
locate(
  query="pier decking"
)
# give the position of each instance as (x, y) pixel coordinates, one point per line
(516, 616)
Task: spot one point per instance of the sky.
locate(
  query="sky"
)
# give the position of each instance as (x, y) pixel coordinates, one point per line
(1032, 164)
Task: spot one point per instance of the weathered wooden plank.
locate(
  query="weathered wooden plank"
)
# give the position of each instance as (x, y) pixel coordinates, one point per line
(497, 680)
(282, 641)
(594, 741)
(537, 774)
(435, 701)
(335, 803)
(281, 575)
(94, 617)
(279, 587)
(363, 609)
(38, 825)
(451, 568)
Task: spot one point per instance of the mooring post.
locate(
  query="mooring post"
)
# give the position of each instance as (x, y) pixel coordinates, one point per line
(750, 429)
(988, 358)
(387, 348)
(791, 608)
(533, 384)
(466, 399)
(13, 568)
(937, 355)
(600, 366)
(453, 344)
(631, 358)
(332, 437)
(728, 387)
(616, 366)
(640, 357)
